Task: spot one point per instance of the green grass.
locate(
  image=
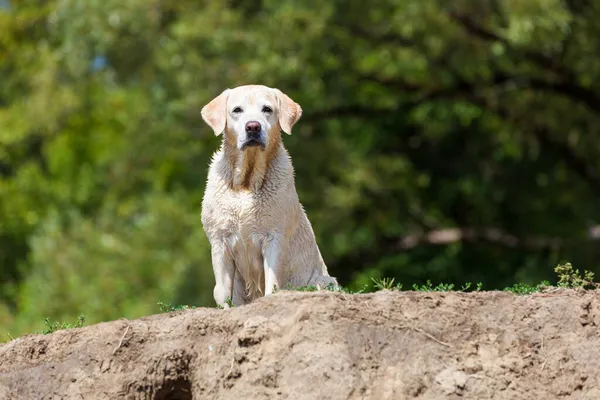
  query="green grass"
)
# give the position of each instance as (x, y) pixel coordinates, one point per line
(388, 284)
(53, 326)
(330, 288)
(447, 287)
(167, 307)
(228, 301)
(567, 277)
(522, 288)
(385, 284)
(309, 288)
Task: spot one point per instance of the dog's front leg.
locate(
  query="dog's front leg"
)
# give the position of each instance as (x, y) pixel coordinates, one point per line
(272, 254)
(223, 267)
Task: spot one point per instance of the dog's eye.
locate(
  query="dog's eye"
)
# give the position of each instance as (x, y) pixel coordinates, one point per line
(237, 110)
(267, 109)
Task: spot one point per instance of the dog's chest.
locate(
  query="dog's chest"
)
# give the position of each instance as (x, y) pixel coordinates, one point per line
(246, 233)
(245, 211)
(243, 222)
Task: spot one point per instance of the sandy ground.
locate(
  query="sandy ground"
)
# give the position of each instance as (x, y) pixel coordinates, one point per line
(387, 345)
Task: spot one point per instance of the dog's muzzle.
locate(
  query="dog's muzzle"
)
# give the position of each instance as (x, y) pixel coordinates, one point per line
(253, 135)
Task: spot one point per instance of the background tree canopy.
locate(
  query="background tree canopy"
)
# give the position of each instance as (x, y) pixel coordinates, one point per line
(451, 141)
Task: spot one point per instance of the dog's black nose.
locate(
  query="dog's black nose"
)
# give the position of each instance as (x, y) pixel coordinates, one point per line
(253, 128)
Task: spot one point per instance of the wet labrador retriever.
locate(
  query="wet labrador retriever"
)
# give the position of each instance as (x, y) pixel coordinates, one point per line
(260, 236)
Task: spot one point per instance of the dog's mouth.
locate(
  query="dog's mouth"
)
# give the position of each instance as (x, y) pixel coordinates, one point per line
(253, 143)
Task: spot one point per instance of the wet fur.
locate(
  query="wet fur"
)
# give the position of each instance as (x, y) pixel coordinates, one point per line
(260, 236)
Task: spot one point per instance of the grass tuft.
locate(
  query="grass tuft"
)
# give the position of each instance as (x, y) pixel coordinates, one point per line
(330, 287)
(572, 278)
(522, 288)
(386, 284)
(167, 307)
(228, 301)
(53, 326)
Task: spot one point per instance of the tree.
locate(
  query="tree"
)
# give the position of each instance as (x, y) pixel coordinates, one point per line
(439, 141)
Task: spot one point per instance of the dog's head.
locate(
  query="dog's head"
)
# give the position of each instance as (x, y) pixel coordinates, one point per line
(252, 115)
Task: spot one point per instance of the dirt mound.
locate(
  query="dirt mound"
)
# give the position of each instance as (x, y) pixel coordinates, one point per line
(387, 345)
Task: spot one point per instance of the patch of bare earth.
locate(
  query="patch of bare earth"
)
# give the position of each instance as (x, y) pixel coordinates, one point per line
(387, 345)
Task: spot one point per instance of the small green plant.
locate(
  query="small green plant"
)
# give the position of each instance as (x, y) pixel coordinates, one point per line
(330, 287)
(359, 291)
(53, 326)
(428, 287)
(523, 288)
(229, 303)
(388, 284)
(572, 278)
(385, 284)
(167, 307)
(341, 289)
(446, 287)
(308, 288)
(467, 287)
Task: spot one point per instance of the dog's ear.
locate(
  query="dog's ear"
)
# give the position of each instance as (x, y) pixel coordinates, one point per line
(289, 112)
(215, 112)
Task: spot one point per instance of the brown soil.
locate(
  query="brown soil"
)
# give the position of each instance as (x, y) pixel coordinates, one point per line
(387, 345)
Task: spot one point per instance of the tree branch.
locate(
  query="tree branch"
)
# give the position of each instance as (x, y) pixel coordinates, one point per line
(584, 169)
(463, 88)
(348, 111)
(496, 236)
(386, 38)
(567, 83)
(540, 59)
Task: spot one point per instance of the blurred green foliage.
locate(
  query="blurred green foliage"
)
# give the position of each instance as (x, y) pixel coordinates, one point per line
(454, 141)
